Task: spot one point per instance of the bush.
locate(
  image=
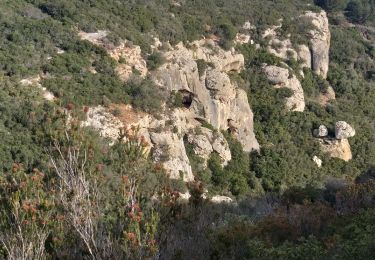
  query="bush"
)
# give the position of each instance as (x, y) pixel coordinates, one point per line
(359, 10)
(155, 60)
(145, 95)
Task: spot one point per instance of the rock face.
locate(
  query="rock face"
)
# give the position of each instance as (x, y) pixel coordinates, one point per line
(104, 122)
(130, 59)
(206, 141)
(281, 78)
(169, 149)
(343, 130)
(322, 131)
(215, 98)
(320, 40)
(337, 148)
(317, 56)
(304, 55)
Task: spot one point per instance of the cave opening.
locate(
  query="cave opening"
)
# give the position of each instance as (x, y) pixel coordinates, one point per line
(187, 98)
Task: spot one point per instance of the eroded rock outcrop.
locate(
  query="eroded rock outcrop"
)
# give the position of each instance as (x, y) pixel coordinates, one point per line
(281, 78)
(318, 161)
(104, 122)
(127, 55)
(337, 146)
(215, 98)
(343, 130)
(320, 40)
(316, 56)
(206, 141)
(169, 149)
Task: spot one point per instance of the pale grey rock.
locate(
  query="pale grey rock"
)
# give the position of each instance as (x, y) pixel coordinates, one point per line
(206, 141)
(320, 40)
(218, 199)
(248, 26)
(282, 49)
(343, 130)
(336, 148)
(281, 78)
(304, 55)
(104, 122)
(36, 81)
(169, 150)
(276, 75)
(220, 85)
(318, 161)
(242, 38)
(322, 131)
(216, 99)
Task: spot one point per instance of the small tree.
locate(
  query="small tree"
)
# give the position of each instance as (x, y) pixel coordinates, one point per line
(27, 208)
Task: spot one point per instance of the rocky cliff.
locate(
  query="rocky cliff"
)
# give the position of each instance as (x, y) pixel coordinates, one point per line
(214, 98)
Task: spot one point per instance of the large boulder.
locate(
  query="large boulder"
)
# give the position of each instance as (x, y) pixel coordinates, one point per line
(343, 130)
(276, 75)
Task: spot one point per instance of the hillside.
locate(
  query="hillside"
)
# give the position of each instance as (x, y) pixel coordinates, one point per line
(187, 129)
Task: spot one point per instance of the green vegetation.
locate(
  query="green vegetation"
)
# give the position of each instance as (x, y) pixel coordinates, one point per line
(286, 206)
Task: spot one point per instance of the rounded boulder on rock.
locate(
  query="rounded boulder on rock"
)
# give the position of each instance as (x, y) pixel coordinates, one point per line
(343, 130)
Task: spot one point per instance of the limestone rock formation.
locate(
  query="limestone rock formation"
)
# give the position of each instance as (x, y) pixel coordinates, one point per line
(214, 98)
(304, 55)
(336, 148)
(169, 149)
(242, 38)
(127, 55)
(320, 40)
(281, 78)
(343, 130)
(317, 56)
(104, 122)
(130, 59)
(282, 49)
(276, 75)
(206, 141)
